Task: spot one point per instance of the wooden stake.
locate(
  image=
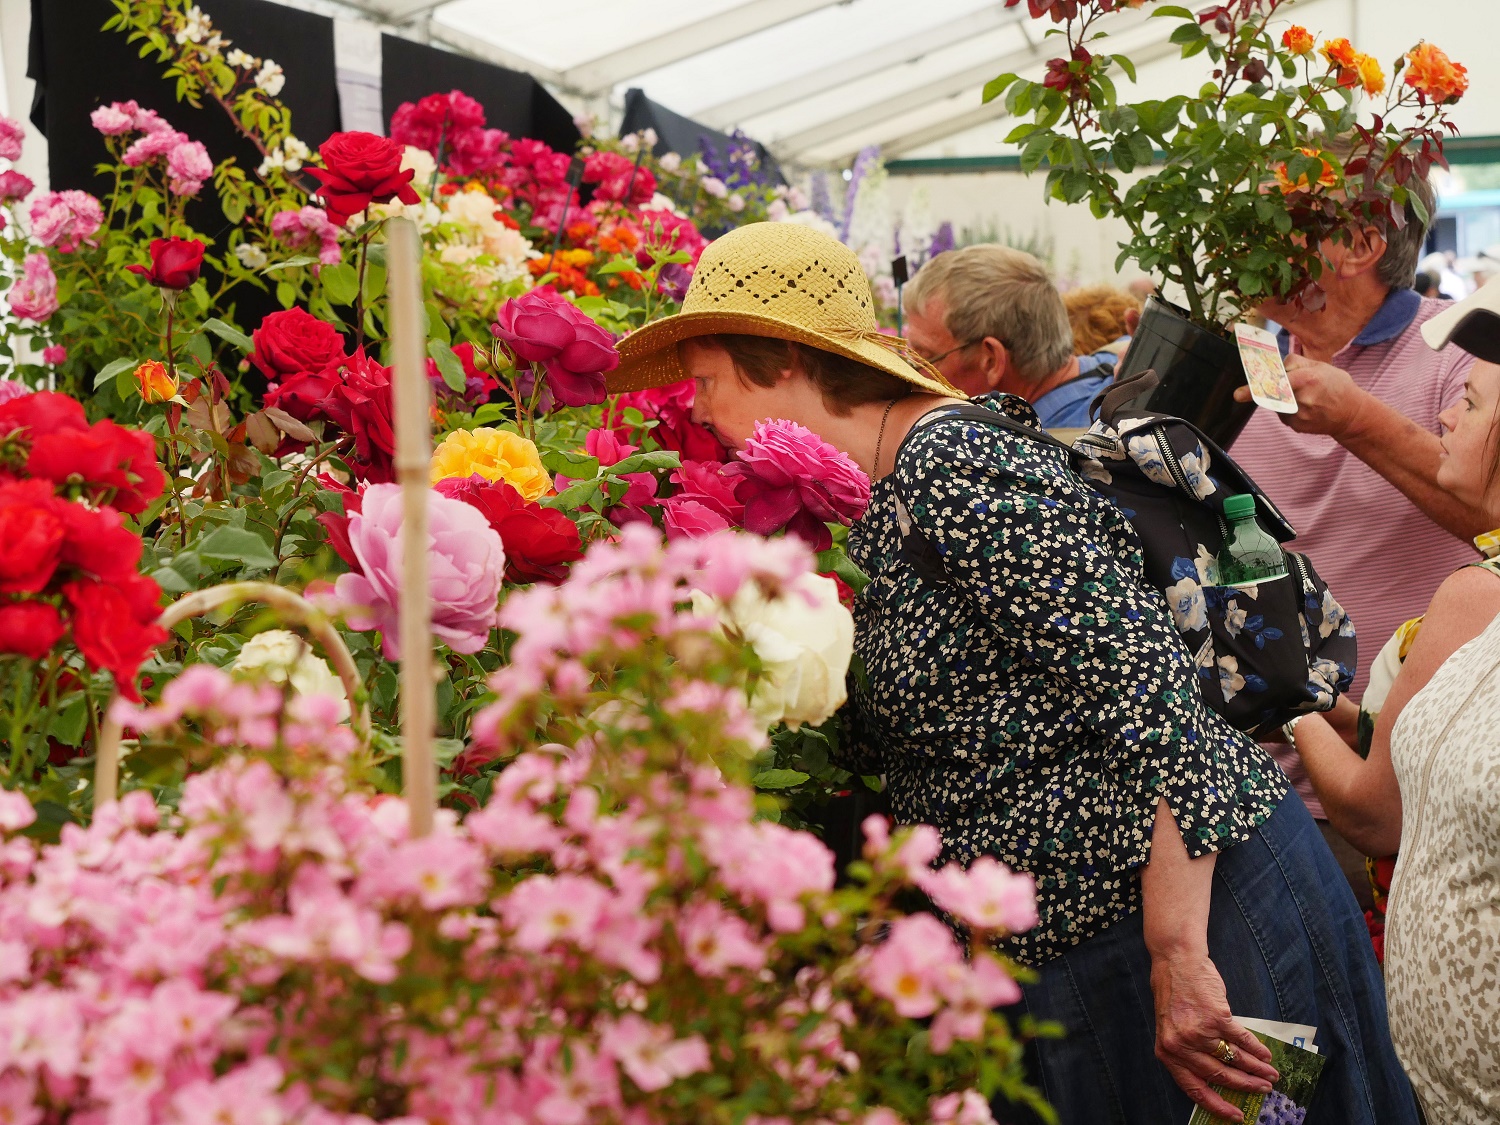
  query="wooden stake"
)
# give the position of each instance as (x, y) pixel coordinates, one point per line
(412, 406)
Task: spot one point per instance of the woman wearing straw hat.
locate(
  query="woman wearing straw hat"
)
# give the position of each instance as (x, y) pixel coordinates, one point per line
(1035, 703)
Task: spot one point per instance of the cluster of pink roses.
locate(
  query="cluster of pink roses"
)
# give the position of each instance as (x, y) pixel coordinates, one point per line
(187, 162)
(451, 127)
(309, 227)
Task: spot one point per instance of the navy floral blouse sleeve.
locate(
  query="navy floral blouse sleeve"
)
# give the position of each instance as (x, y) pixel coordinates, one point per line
(1037, 704)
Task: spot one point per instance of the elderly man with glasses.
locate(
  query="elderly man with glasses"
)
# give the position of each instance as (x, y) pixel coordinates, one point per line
(990, 319)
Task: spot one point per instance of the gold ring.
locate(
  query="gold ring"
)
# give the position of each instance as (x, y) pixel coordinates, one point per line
(1223, 1052)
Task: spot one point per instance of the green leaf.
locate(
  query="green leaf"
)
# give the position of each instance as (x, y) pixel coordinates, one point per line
(577, 495)
(579, 466)
(647, 462)
(197, 347)
(619, 265)
(374, 282)
(448, 365)
(778, 779)
(1125, 64)
(437, 327)
(1174, 10)
(296, 262)
(229, 334)
(69, 724)
(112, 369)
(340, 282)
(996, 86)
(235, 544)
(1186, 34)
(835, 561)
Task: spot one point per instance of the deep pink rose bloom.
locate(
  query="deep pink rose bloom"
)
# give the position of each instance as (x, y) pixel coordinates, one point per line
(614, 174)
(686, 518)
(450, 125)
(544, 329)
(188, 165)
(793, 479)
(34, 297)
(13, 185)
(55, 355)
(707, 483)
(12, 133)
(65, 219)
(672, 408)
(465, 564)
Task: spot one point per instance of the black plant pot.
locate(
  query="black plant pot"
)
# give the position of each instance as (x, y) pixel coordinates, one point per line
(1199, 371)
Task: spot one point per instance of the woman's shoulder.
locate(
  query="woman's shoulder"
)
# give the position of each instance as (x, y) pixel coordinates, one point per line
(946, 438)
(1465, 605)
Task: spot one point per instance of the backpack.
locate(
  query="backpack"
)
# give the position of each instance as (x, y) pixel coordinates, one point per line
(1264, 654)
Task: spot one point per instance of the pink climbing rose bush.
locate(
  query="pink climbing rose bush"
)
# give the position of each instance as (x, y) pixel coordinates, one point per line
(614, 936)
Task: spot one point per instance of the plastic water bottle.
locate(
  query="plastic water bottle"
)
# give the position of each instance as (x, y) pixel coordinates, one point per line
(1250, 554)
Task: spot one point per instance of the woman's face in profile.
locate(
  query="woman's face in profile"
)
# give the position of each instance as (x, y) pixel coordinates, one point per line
(727, 403)
(1470, 439)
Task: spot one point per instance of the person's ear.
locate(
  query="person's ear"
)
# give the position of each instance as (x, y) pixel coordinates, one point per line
(794, 364)
(994, 361)
(1363, 252)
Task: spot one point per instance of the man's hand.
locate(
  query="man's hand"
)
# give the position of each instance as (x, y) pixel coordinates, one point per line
(1328, 401)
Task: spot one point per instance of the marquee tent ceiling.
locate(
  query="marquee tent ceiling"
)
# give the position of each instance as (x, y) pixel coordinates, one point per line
(817, 80)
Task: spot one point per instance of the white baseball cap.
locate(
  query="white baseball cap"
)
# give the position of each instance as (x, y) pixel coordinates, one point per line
(1472, 324)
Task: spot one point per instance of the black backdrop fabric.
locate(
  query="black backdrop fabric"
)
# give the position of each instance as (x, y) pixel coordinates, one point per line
(683, 135)
(512, 101)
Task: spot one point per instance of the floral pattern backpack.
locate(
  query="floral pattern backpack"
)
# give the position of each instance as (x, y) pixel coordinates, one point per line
(1264, 653)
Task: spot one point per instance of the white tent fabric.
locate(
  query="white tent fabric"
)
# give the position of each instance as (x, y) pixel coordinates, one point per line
(817, 80)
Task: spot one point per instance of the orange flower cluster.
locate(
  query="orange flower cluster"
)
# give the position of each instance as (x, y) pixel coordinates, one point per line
(568, 265)
(1353, 68)
(1326, 178)
(1434, 75)
(1298, 40)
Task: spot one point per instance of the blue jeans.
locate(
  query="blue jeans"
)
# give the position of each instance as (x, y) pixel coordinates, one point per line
(1290, 942)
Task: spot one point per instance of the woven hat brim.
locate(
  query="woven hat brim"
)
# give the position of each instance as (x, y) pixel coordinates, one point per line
(648, 356)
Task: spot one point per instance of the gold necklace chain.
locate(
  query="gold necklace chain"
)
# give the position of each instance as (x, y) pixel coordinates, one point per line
(880, 440)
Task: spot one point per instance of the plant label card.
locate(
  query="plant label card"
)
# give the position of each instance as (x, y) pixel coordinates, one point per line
(1299, 1065)
(1264, 371)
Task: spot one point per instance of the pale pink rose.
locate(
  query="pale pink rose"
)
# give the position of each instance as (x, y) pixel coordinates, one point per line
(114, 119)
(12, 388)
(650, 1054)
(12, 134)
(685, 517)
(988, 896)
(971, 991)
(18, 1099)
(188, 165)
(968, 1108)
(15, 811)
(794, 480)
(148, 120)
(65, 219)
(465, 564)
(910, 966)
(34, 297)
(54, 355)
(156, 143)
(545, 908)
(716, 940)
(299, 228)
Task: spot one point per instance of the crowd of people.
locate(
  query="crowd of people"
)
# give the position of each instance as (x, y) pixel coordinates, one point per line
(1024, 688)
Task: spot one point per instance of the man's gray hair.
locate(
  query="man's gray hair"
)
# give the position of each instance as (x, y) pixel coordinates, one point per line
(991, 290)
(1403, 248)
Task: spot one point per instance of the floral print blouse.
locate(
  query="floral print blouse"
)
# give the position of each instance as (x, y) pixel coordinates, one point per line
(1038, 704)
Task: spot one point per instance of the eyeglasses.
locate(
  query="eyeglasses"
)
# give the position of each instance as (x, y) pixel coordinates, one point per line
(937, 359)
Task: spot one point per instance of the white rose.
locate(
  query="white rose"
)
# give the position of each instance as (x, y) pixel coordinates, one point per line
(735, 202)
(669, 161)
(270, 78)
(804, 640)
(715, 187)
(421, 162)
(278, 656)
(294, 152)
(240, 60)
(251, 256)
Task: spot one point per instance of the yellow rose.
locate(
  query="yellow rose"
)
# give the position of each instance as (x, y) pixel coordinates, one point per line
(494, 455)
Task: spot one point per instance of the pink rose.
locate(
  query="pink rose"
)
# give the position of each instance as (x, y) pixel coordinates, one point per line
(299, 228)
(465, 563)
(793, 479)
(188, 165)
(114, 119)
(13, 185)
(12, 133)
(707, 483)
(687, 518)
(152, 145)
(544, 329)
(65, 219)
(671, 407)
(607, 446)
(55, 355)
(34, 297)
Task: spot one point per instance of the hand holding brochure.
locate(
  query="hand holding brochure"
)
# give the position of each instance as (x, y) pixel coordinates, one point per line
(1295, 1056)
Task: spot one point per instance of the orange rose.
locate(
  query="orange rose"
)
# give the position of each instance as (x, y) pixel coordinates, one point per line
(1434, 75)
(1370, 74)
(154, 382)
(1340, 53)
(1326, 178)
(1298, 40)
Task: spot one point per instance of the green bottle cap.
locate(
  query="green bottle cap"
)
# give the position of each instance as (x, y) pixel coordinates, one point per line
(1239, 506)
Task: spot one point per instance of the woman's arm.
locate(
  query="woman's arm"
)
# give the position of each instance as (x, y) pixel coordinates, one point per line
(1192, 1010)
(1361, 796)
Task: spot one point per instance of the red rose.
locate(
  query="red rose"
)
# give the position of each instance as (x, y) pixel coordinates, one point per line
(360, 405)
(615, 174)
(31, 536)
(115, 628)
(43, 412)
(116, 466)
(539, 542)
(543, 328)
(293, 342)
(29, 629)
(671, 407)
(97, 542)
(304, 395)
(360, 169)
(175, 263)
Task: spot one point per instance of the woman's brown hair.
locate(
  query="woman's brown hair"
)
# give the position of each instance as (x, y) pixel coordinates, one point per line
(843, 382)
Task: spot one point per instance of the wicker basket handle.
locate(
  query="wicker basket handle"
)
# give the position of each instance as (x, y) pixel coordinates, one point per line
(291, 609)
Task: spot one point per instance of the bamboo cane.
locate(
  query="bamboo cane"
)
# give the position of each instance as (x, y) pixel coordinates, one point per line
(412, 406)
(291, 609)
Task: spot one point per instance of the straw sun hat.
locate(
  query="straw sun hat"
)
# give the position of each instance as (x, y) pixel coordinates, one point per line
(782, 280)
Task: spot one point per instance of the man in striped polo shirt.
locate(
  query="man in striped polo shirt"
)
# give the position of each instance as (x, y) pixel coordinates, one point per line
(1355, 468)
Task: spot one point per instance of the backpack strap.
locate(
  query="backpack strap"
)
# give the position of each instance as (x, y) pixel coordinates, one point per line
(916, 548)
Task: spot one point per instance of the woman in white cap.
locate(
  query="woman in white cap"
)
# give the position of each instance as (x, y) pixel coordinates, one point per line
(1028, 695)
(1431, 783)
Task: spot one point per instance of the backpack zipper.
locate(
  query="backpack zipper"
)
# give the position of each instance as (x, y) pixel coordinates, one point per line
(1169, 458)
(1301, 564)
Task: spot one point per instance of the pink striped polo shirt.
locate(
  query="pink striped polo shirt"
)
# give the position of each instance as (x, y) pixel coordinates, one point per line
(1380, 555)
